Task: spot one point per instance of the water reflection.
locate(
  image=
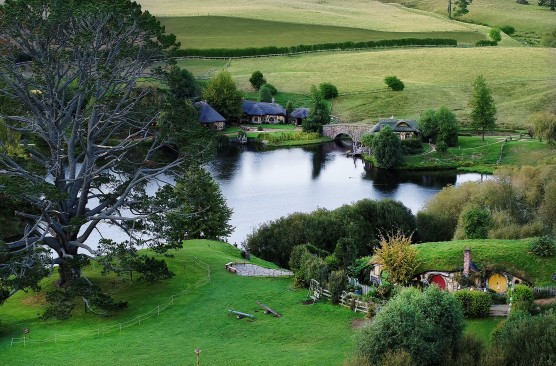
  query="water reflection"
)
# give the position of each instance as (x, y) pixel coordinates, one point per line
(265, 184)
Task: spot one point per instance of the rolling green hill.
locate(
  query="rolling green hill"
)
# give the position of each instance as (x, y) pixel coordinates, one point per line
(509, 255)
(304, 335)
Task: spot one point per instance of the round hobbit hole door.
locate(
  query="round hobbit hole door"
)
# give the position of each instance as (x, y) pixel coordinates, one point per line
(498, 283)
(439, 281)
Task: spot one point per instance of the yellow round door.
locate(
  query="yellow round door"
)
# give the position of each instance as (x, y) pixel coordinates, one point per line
(498, 283)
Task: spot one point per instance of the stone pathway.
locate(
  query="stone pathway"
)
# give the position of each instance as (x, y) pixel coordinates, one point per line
(499, 310)
(248, 269)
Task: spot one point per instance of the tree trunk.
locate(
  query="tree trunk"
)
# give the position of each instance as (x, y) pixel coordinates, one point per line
(68, 269)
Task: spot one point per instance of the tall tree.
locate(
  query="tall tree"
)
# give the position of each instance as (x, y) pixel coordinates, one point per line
(483, 115)
(182, 83)
(257, 79)
(195, 209)
(387, 148)
(87, 127)
(319, 112)
(460, 6)
(222, 94)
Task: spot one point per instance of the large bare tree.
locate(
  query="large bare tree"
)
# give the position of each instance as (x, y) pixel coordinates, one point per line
(92, 133)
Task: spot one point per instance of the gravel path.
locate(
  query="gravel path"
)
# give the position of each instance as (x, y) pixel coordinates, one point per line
(248, 269)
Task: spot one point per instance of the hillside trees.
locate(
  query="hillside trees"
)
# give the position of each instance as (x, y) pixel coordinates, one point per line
(222, 94)
(257, 79)
(319, 112)
(483, 115)
(349, 231)
(439, 126)
(88, 132)
(544, 126)
(387, 148)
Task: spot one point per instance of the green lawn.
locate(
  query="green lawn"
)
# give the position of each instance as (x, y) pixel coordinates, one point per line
(304, 335)
(477, 155)
(482, 328)
(510, 255)
(204, 32)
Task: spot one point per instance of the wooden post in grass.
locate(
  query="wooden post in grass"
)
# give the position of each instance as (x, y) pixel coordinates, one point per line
(198, 353)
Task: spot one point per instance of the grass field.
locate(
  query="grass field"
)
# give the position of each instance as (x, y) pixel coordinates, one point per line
(343, 13)
(530, 21)
(433, 78)
(511, 255)
(227, 32)
(304, 335)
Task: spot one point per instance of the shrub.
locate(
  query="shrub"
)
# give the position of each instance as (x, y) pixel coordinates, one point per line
(476, 222)
(484, 42)
(328, 90)
(257, 79)
(398, 257)
(545, 246)
(432, 227)
(528, 340)
(522, 298)
(441, 147)
(428, 325)
(394, 83)
(495, 34)
(265, 94)
(337, 281)
(412, 146)
(474, 304)
(508, 29)
(271, 88)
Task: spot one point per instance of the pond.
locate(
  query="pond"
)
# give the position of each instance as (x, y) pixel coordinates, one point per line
(262, 184)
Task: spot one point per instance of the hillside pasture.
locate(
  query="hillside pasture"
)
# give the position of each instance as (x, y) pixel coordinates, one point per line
(204, 32)
(343, 13)
(528, 20)
(523, 80)
(304, 335)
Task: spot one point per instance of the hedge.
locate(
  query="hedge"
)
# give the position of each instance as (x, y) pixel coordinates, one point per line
(272, 50)
(475, 304)
(486, 43)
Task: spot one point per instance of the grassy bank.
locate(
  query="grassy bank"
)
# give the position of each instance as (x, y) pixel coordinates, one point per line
(509, 255)
(474, 154)
(304, 335)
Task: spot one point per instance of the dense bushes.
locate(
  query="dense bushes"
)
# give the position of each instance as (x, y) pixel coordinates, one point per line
(394, 83)
(328, 90)
(412, 146)
(484, 42)
(272, 50)
(360, 222)
(428, 325)
(545, 246)
(521, 203)
(522, 298)
(526, 340)
(475, 304)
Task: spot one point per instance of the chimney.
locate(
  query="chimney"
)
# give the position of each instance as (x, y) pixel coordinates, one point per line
(466, 261)
(273, 100)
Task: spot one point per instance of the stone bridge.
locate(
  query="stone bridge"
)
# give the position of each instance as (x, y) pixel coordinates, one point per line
(354, 131)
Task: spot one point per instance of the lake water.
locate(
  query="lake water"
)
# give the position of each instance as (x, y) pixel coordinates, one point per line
(265, 184)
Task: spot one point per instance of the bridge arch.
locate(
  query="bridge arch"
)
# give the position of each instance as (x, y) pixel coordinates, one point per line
(354, 131)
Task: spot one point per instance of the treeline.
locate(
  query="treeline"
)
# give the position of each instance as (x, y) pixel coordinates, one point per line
(516, 203)
(272, 50)
(353, 229)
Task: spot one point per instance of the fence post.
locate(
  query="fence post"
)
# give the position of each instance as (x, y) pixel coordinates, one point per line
(23, 341)
(158, 310)
(120, 327)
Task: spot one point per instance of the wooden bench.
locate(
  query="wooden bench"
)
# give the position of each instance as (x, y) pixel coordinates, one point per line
(268, 310)
(241, 315)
